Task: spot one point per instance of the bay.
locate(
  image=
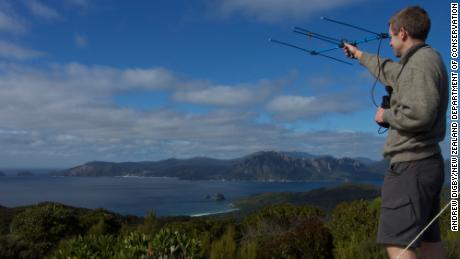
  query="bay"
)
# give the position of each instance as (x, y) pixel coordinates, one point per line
(139, 195)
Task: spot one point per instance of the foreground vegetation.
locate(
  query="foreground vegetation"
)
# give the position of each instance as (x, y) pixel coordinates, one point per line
(50, 230)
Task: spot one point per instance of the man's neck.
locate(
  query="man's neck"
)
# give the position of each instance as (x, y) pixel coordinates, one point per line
(411, 43)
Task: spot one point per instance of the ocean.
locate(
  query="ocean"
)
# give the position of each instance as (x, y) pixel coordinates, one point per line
(139, 195)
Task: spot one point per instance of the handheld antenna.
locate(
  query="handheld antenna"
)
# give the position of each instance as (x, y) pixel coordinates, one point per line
(339, 43)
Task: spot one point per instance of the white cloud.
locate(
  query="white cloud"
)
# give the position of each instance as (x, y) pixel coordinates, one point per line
(9, 21)
(12, 132)
(321, 83)
(148, 78)
(290, 108)
(107, 80)
(277, 10)
(218, 95)
(9, 50)
(63, 115)
(240, 95)
(41, 10)
(291, 103)
(80, 40)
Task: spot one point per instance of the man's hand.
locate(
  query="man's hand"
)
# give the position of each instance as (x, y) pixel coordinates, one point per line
(351, 51)
(379, 115)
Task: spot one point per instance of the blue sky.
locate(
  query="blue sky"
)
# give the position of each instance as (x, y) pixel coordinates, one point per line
(84, 80)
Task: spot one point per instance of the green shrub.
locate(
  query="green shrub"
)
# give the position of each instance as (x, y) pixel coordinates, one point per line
(169, 244)
(248, 250)
(205, 244)
(42, 226)
(273, 221)
(204, 230)
(286, 231)
(354, 230)
(135, 245)
(14, 248)
(225, 247)
(284, 215)
(90, 246)
(100, 222)
(357, 248)
(150, 224)
(196, 226)
(310, 239)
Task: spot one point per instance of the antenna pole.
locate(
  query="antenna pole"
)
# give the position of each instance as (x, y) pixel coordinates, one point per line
(292, 46)
(310, 33)
(314, 53)
(354, 43)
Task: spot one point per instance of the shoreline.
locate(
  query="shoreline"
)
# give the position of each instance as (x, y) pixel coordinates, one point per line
(213, 213)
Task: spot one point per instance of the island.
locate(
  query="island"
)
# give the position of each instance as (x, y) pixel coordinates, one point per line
(216, 197)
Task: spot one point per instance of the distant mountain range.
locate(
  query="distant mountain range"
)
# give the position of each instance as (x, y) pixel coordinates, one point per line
(260, 166)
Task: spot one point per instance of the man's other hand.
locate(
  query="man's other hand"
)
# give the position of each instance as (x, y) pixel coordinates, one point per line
(379, 115)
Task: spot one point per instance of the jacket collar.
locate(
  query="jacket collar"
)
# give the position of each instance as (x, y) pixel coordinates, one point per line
(411, 52)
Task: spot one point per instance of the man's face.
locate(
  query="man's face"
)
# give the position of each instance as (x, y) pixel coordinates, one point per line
(396, 41)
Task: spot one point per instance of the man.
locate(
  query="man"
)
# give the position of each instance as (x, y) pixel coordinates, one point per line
(417, 119)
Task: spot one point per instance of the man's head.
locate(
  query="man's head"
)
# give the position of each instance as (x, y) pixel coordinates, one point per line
(407, 27)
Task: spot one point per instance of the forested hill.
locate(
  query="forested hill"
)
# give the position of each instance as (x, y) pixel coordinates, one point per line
(260, 166)
(324, 198)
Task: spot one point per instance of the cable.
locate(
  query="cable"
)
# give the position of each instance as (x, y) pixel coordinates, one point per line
(378, 75)
(380, 131)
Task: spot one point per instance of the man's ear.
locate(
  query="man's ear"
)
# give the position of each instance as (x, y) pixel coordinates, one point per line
(403, 33)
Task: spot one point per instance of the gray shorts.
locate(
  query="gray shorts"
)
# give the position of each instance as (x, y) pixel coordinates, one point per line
(410, 200)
